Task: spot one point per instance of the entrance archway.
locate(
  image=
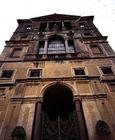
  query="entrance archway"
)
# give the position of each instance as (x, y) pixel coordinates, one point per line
(59, 117)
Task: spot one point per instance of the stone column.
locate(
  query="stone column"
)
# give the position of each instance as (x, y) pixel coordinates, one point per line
(63, 27)
(67, 48)
(45, 48)
(47, 28)
(37, 121)
(81, 121)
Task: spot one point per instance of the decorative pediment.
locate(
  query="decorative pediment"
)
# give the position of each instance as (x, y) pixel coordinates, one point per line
(55, 17)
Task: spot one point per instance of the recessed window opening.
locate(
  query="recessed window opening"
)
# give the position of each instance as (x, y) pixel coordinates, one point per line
(67, 25)
(16, 53)
(111, 86)
(7, 73)
(79, 71)
(107, 70)
(24, 36)
(34, 73)
(55, 25)
(87, 34)
(43, 26)
(96, 49)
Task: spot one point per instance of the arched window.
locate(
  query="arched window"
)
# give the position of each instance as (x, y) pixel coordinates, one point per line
(56, 45)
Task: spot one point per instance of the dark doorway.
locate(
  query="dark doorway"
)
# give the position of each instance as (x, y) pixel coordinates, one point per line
(59, 117)
(58, 114)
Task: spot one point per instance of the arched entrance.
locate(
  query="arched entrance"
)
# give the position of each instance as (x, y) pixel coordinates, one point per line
(58, 118)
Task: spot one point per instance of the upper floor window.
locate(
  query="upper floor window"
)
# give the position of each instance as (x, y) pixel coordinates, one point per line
(43, 26)
(79, 71)
(96, 49)
(16, 52)
(23, 36)
(87, 34)
(107, 70)
(28, 27)
(34, 73)
(111, 86)
(67, 25)
(7, 74)
(55, 26)
(56, 45)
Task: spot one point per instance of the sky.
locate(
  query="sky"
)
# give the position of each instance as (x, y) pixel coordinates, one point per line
(11, 10)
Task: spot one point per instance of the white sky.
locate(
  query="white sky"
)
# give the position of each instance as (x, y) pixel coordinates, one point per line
(11, 10)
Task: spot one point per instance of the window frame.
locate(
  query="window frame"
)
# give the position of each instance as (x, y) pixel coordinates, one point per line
(106, 74)
(81, 75)
(7, 78)
(29, 72)
(14, 49)
(97, 46)
(109, 86)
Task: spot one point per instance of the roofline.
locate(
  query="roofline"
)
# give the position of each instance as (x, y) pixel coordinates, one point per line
(42, 18)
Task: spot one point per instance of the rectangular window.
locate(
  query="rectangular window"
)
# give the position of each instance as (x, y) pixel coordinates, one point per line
(87, 34)
(67, 25)
(23, 36)
(7, 74)
(2, 90)
(107, 70)
(111, 86)
(43, 26)
(96, 49)
(79, 71)
(55, 25)
(16, 52)
(34, 73)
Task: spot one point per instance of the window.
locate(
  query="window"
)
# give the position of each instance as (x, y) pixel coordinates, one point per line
(34, 73)
(107, 70)
(41, 47)
(43, 26)
(7, 74)
(88, 34)
(28, 27)
(67, 25)
(16, 52)
(82, 25)
(111, 86)
(55, 25)
(23, 36)
(2, 90)
(96, 49)
(56, 45)
(71, 46)
(79, 71)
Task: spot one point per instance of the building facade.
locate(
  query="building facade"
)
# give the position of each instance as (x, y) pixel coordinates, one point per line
(57, 81)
